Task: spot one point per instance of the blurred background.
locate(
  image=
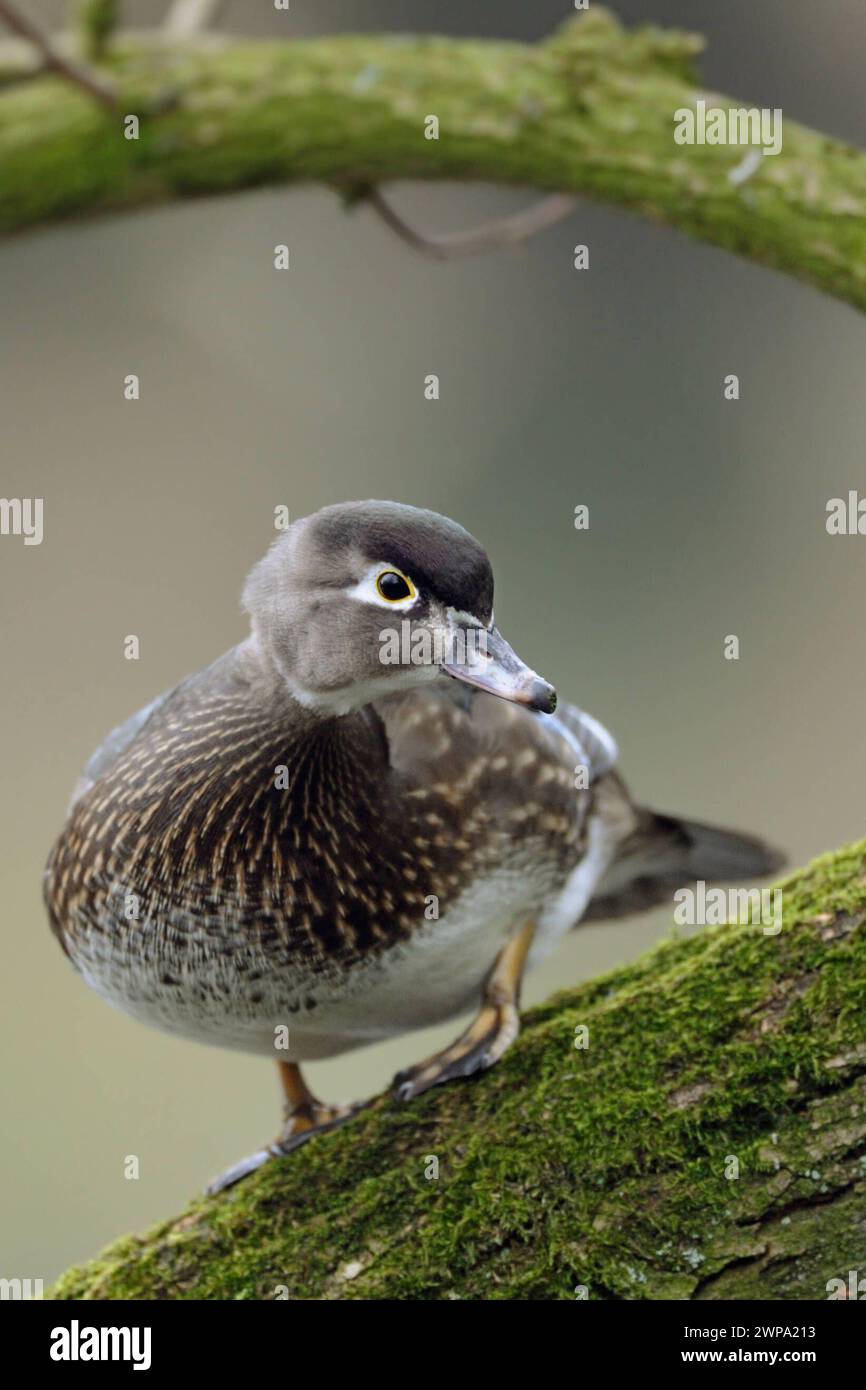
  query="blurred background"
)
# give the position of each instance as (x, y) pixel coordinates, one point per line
(304, 388)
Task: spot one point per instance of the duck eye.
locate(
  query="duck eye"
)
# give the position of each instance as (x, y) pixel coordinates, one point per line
(393, 587)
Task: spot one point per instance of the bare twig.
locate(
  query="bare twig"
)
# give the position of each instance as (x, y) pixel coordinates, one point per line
(82, 76)
(188, 17)
(505, 231)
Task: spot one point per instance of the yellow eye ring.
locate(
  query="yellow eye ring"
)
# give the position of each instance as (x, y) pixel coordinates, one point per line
(394, 587)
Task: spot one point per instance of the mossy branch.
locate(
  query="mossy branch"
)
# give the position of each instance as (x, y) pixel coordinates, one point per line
(590, 111)
(709, 1143)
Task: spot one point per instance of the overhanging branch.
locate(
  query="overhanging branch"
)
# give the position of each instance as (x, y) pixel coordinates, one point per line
(588, 112)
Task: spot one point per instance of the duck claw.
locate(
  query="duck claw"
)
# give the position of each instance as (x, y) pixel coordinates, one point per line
(305, 1124)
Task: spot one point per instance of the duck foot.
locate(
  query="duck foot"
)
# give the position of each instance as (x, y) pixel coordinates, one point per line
(490, 1033)
(478, 1047)
(305, 1117)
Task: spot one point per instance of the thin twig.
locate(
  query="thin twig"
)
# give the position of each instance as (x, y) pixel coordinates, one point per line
(82, 76)
(188, 17)
(505, 231)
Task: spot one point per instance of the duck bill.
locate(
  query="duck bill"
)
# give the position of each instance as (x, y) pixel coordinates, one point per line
(486, 661)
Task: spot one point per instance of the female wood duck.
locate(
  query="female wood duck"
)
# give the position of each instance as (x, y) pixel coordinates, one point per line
(314, 843)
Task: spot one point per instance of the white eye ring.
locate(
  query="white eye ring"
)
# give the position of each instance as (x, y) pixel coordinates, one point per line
(367, 589)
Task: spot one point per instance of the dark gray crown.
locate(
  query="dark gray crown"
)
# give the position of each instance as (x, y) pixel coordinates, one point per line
(437, 554)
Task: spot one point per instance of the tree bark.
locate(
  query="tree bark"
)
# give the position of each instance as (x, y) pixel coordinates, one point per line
(590, 111)
(709, 1142)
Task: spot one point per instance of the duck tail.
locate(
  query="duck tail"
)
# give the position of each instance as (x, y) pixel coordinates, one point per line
(666, 853)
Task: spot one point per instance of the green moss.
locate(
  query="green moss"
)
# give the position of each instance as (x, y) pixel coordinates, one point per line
(608, 1168)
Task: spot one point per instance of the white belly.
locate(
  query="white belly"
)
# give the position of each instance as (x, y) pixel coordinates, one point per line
(438, 974)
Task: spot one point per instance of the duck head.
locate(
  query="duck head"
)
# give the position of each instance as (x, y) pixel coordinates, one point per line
(364, 599)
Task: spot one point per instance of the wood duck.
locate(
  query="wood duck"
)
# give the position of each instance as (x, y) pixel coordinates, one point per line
(365, 819)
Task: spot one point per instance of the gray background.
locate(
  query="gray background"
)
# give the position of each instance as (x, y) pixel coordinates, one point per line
(557, 388)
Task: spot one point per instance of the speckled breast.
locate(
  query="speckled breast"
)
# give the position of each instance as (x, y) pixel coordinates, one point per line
(223, 877)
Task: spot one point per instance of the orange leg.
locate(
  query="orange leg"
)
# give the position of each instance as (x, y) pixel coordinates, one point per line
(493, 1029)
(479, 1046)
(304, 1116)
